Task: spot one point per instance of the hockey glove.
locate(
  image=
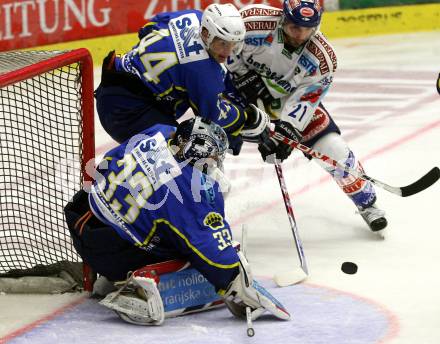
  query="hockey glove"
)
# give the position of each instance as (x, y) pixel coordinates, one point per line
(256, 123)
(252, 87)
(270, 148)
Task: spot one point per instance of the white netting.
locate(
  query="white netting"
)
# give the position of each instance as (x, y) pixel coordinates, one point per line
(40, 161)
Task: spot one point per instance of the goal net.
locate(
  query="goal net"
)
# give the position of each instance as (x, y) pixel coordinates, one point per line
(46, 140)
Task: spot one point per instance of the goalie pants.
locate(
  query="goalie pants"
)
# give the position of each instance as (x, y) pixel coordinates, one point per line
(125, 105)
(99, 245)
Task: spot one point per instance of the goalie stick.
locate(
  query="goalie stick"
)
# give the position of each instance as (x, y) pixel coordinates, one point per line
(404, 191)
(292, 276)
(250, 328)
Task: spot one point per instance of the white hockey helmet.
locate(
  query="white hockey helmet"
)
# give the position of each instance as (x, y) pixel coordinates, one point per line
(225, 22)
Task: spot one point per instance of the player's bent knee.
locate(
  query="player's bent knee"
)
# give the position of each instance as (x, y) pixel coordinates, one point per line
(333, 145)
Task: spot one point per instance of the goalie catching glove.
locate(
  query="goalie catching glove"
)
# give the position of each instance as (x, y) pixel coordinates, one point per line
(244, 292)
(270, 146)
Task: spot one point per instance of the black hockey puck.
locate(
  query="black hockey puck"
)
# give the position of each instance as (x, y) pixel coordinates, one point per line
(349, 268)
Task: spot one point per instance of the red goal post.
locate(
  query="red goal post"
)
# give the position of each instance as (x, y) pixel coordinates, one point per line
(46, 141)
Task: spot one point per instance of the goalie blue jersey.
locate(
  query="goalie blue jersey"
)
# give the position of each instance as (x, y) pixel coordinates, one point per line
(173, 63)
(165, 207)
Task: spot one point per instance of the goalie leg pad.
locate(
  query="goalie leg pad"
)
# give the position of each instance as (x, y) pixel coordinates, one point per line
(171, 288)
(138, 302)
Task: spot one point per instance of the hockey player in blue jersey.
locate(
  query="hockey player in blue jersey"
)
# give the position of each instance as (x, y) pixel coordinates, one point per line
(177, 65)
(157, 197)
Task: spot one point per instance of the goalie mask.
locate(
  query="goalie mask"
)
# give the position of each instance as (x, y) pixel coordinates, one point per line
(225, 22)
(201, 142)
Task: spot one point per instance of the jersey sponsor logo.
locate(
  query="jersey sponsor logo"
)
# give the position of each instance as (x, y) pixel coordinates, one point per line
(307, 64)
(214, 220)
(329, 50)
(185, 33)
(319, 54)
(266, 72)
(260, 12)
(155, 159)
(260, 25)
(257, 40)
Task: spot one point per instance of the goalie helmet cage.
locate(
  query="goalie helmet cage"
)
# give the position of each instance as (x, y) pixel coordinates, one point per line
(46, 140)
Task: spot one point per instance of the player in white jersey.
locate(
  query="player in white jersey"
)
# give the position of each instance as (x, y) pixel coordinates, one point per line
(288, 64)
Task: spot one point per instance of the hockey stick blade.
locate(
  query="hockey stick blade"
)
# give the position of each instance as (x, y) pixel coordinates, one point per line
(423, 183)
(286, 278)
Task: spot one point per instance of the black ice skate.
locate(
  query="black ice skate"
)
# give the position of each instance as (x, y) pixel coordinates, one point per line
(374, 217)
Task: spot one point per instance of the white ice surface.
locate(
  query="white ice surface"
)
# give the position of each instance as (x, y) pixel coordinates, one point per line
(384, 100)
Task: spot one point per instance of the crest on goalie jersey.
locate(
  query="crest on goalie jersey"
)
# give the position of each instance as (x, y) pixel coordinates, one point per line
(214, 220)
